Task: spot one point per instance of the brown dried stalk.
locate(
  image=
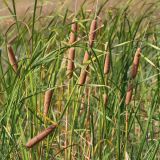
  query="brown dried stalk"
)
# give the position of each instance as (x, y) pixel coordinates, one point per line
(47, 101)
(40, 136)
(136, 63)
(71, 55)
(12, 58)
(107, 63)
(129, 94)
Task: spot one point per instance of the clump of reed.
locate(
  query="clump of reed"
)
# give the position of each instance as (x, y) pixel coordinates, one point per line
(39, 137)
(12, 58)
(71, 54)
(92, 35)
(47, 101)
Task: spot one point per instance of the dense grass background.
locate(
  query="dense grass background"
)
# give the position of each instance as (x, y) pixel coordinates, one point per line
(87, 129)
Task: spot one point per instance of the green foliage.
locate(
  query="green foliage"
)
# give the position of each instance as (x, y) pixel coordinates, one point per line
(86, 127)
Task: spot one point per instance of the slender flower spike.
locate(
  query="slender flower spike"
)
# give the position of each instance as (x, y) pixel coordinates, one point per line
(40, 136)
(107, 63)
(83, 75)
(73, 33)
(92, 33)
(136, 63)
(105, 99)
(47, 101)
(71, 54)
(70, 66)
(129, 94)
(12, 58)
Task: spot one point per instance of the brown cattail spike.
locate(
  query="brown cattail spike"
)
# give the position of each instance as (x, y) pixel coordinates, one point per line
(73, 33)
(83, 76)
(129, 94)
(92, 35)
(47, 101)
(92, 32)
(84, 71)
(71, 54)
(40, 136)
(135, 63)
(70, 66)
(107, 63)
(12, 58)
(105, 99)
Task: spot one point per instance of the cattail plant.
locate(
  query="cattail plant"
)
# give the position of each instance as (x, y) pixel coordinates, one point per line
(40, 136)
(92, 35)
(129, 94)
(107, 63)
(47, 101)
(135, 63)
(12, 58)
(71, 54)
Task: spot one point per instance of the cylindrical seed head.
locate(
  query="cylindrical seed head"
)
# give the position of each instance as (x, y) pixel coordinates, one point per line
(107, 64)
(12, 58)
(83, 76)
(129, 94)
(105, 99)
(73, 33)
(135, 63)
(40, 136)
(70, 66)
(84, 71)
(47, 101)
(92, 32)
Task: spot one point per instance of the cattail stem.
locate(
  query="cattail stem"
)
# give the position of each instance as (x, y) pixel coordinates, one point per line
(12, 58)
(129, 94)
(107, 63)
(40, 136)
(136, 63)
(47, 101)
